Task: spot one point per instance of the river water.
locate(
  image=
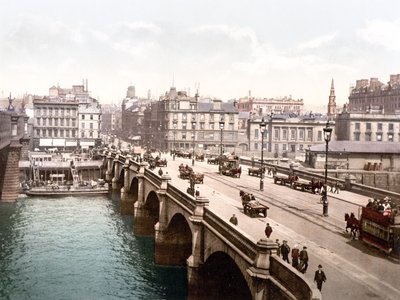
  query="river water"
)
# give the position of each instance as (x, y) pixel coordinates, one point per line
(79, 248)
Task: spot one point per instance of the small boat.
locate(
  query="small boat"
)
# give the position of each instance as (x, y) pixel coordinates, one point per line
(83, 189)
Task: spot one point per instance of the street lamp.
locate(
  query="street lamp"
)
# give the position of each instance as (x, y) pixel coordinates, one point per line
(221, 126)
(193, 136)
(263, 125)
(270, 132)
(174, 124)
(327, 138)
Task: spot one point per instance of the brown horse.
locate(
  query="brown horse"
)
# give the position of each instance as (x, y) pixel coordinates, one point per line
(353, 223)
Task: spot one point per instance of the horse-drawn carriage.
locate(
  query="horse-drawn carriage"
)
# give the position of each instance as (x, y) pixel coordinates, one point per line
(197, 177)
(185, 171)
(230, 166)
(161, 162)
(303, 185)
(284, 180)
(256, 171)
(199, 157)
(213, 160)
(183, 154)
(251, 206)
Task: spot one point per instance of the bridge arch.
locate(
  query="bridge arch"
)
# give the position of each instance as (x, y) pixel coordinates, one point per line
(147, 216)
(121, 177)
(174, 245)
(134, 188)
(224, 279)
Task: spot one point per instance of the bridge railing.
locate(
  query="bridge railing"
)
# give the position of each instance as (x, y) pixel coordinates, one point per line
(240, 241)
(181, 197)
(155, 179)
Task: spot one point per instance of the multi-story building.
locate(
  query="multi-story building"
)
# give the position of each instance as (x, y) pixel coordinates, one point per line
(371, 126)
(178, 121)
(367, 95)
(286, 135)
(67, 118)
(110, 119)
(264, 106)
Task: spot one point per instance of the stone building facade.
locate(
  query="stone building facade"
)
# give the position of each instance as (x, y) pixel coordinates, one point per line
(66, 119)
(373, 93)
(368, 127)
(286, 135)
(264, 106)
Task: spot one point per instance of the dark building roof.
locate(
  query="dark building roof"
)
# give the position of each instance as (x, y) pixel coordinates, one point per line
(359, 147)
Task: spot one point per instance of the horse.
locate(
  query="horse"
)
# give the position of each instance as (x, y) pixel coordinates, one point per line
(353, 223)
(236, 172)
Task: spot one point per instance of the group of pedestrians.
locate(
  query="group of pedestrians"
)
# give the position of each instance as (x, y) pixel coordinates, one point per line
(299, 260)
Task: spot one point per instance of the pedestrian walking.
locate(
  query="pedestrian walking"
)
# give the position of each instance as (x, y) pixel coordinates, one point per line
(303, 260)
(160, 172)
(268, 230)
(233, 220)
(278, 251)
(319, 277)
(295, 256)
(285, 250)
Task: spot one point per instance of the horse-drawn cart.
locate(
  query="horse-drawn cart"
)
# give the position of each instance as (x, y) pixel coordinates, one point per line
(251, 206)
(256, 171)
(161, 163)
(303, 185)
(283, 180)
(213, 161)
(197, 178)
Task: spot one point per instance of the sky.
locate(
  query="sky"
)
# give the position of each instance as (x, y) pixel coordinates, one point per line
(226, 48)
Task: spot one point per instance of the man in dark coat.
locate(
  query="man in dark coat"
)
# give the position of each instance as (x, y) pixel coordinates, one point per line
(268, 230)
(285, 250)
(304, 260)
(319, 277)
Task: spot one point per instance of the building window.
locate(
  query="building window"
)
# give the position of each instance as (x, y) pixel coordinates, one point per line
(390, 137)
(293, 134)
(67, 122)
(200, 135)
(91, 117)
(356, 136)
(183, 135)
(38, 132)
(61, 122)
(73, 123)
(368, 126)
(55, 132)
(82, 134)
(284, 134)
(201, 125)
(380, 126)
(211, 125)
(255, 146)
(379, 137)
(91, 133)
(309, 134)
(184, 117)
(301, 148)
(390, 126)
(357, 126)
(301, 134)
(319, 137)
(91, 125)
(368, 137)
(67, 133)
(73, 133)
(276, 146)
(276, 134)
(83, 125)
(55, 122)
(211, 136)
(184, 126)
(256, 133)
(61, 132)
(201, 117)
(83, 117)
(284, 147)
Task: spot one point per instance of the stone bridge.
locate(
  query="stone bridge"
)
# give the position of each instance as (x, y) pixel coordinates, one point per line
(13, 138)
(221, 262)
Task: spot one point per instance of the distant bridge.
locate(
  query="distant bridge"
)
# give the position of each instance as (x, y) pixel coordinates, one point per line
(13, 137)
(221, 262)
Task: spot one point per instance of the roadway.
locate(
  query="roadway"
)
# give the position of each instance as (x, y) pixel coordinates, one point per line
(353, 270)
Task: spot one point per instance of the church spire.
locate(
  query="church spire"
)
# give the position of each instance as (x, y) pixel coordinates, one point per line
(332, 102)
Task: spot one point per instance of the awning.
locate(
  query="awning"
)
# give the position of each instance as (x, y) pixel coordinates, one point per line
(59, 142)
(46, 142)
(83, 143)
(71, 143)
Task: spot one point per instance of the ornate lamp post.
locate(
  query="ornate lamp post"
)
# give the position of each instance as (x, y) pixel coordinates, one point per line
(327, 138)
(193, 137)
(263, 125)
(221, 126)
(174, 124)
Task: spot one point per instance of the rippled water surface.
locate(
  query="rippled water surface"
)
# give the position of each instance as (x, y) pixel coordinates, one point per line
(79, 248)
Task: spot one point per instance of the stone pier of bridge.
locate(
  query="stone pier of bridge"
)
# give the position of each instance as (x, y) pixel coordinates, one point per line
(221, 260)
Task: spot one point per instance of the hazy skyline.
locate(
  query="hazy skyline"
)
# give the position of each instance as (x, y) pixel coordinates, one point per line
(273, 48)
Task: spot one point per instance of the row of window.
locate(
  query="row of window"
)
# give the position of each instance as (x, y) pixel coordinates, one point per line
(368, 126)
(293, 134)
(212, 126)
(55, 133)
(205, 136)
(55, 122)
(285, 147)
(90, 117)
(212, 117)
(56, 111)
(368, 136)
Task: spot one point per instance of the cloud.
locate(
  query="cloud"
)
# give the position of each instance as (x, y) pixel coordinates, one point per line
(317, 42)
(381, 33)
(142, 26)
